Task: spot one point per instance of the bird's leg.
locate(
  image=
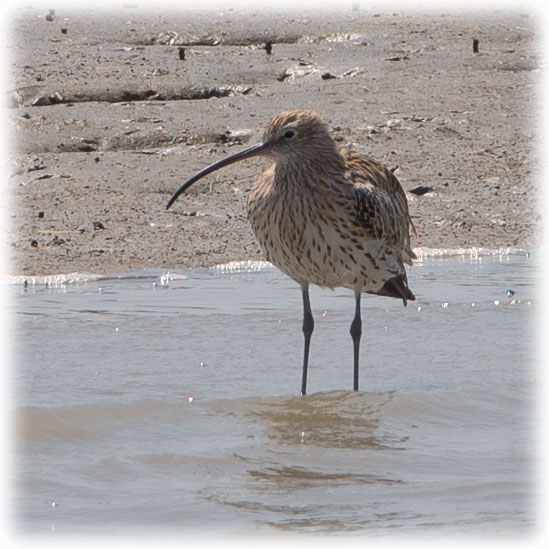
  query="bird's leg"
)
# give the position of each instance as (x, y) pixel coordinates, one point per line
(356, 332)
(308, 327)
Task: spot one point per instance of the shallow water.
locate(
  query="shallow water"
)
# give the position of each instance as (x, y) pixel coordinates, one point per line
(171, 403)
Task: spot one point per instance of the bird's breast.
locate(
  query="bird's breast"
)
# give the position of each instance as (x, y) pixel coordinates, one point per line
(314, 240)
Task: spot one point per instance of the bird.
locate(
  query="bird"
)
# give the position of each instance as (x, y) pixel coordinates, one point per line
(326, 216)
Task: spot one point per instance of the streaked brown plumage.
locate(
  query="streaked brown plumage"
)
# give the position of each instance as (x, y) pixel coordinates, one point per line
(326, 216)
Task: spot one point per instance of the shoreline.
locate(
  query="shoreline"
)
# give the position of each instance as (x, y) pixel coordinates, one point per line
(239, 266)
(104, 128)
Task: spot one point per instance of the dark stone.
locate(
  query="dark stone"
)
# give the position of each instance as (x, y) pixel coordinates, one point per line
(421, 190)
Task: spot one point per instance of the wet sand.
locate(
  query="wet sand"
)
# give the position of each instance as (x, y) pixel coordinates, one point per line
(107, 121)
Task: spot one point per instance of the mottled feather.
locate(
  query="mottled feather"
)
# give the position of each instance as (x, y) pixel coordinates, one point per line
(382, 207)
(328, 216)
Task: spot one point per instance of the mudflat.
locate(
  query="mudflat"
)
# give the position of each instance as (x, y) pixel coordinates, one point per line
(111, 111)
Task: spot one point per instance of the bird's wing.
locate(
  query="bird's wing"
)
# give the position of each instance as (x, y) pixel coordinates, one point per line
(380, 203)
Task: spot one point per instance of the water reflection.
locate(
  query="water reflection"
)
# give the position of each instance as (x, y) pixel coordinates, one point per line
(335, 419)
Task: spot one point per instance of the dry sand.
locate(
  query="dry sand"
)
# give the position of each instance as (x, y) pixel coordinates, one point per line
(107, 121)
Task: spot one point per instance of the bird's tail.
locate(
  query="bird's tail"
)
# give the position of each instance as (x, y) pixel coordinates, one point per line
(397, 287)
(408, 255)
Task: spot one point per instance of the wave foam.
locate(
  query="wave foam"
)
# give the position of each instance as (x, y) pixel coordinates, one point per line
(249, 266)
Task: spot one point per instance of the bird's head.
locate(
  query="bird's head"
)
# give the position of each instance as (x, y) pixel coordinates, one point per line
(299, 136)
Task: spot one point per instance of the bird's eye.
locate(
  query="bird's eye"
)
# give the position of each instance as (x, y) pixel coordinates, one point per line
(289, 134)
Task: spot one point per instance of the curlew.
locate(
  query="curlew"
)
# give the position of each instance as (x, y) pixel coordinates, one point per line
(326, 216)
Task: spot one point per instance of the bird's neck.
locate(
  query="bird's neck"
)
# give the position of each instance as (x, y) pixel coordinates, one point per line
(309, 167)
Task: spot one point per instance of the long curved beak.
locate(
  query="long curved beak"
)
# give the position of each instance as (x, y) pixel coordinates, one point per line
(256, 150)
